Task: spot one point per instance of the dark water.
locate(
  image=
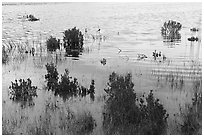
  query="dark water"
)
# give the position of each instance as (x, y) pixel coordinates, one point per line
(130, 28)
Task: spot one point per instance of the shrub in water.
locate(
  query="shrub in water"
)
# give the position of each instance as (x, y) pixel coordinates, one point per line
(73, 41)
(68, 86)
(52, 44)
(22, 91)
(123, 116)
(92, 90)
(51, 76)
(170, 31)
(153, 116)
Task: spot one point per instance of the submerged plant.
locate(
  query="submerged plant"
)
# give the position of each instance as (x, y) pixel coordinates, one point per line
(52, 44)
(123, 116)
(73, 41)
(23, 91)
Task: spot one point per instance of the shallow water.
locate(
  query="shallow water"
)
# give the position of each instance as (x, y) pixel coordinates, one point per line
(139, 26)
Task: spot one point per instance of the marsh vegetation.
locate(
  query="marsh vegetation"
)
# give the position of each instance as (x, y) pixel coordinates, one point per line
(111, 74)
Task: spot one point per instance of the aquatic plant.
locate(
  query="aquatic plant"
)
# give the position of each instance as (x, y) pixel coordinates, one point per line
(73, 41)
(91, 90)
(123, 116)
(192, 116)
(170, 31)
(23, 91)
(55, 119)
(4, 55)
(175, 81)
(67, 86)
(52, 44)
(51, 76)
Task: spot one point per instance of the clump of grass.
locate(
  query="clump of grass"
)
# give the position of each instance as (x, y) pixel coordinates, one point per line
(84, 125)
(73, 41)
(23, 91)
(123, 116)
(61, 121)
(68, 86)
(175, 81)
(192, 117)
(170, 31)
(52, 44)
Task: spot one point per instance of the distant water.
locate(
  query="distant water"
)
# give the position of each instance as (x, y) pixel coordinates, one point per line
(138, 24)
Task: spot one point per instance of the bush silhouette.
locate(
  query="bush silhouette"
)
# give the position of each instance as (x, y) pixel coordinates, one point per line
(23, 92)
(73, 41)
(67, 86)
(52, 44)
(123, 116)
(51, 76)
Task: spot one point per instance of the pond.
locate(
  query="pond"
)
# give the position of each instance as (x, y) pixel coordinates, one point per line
(116, 35)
